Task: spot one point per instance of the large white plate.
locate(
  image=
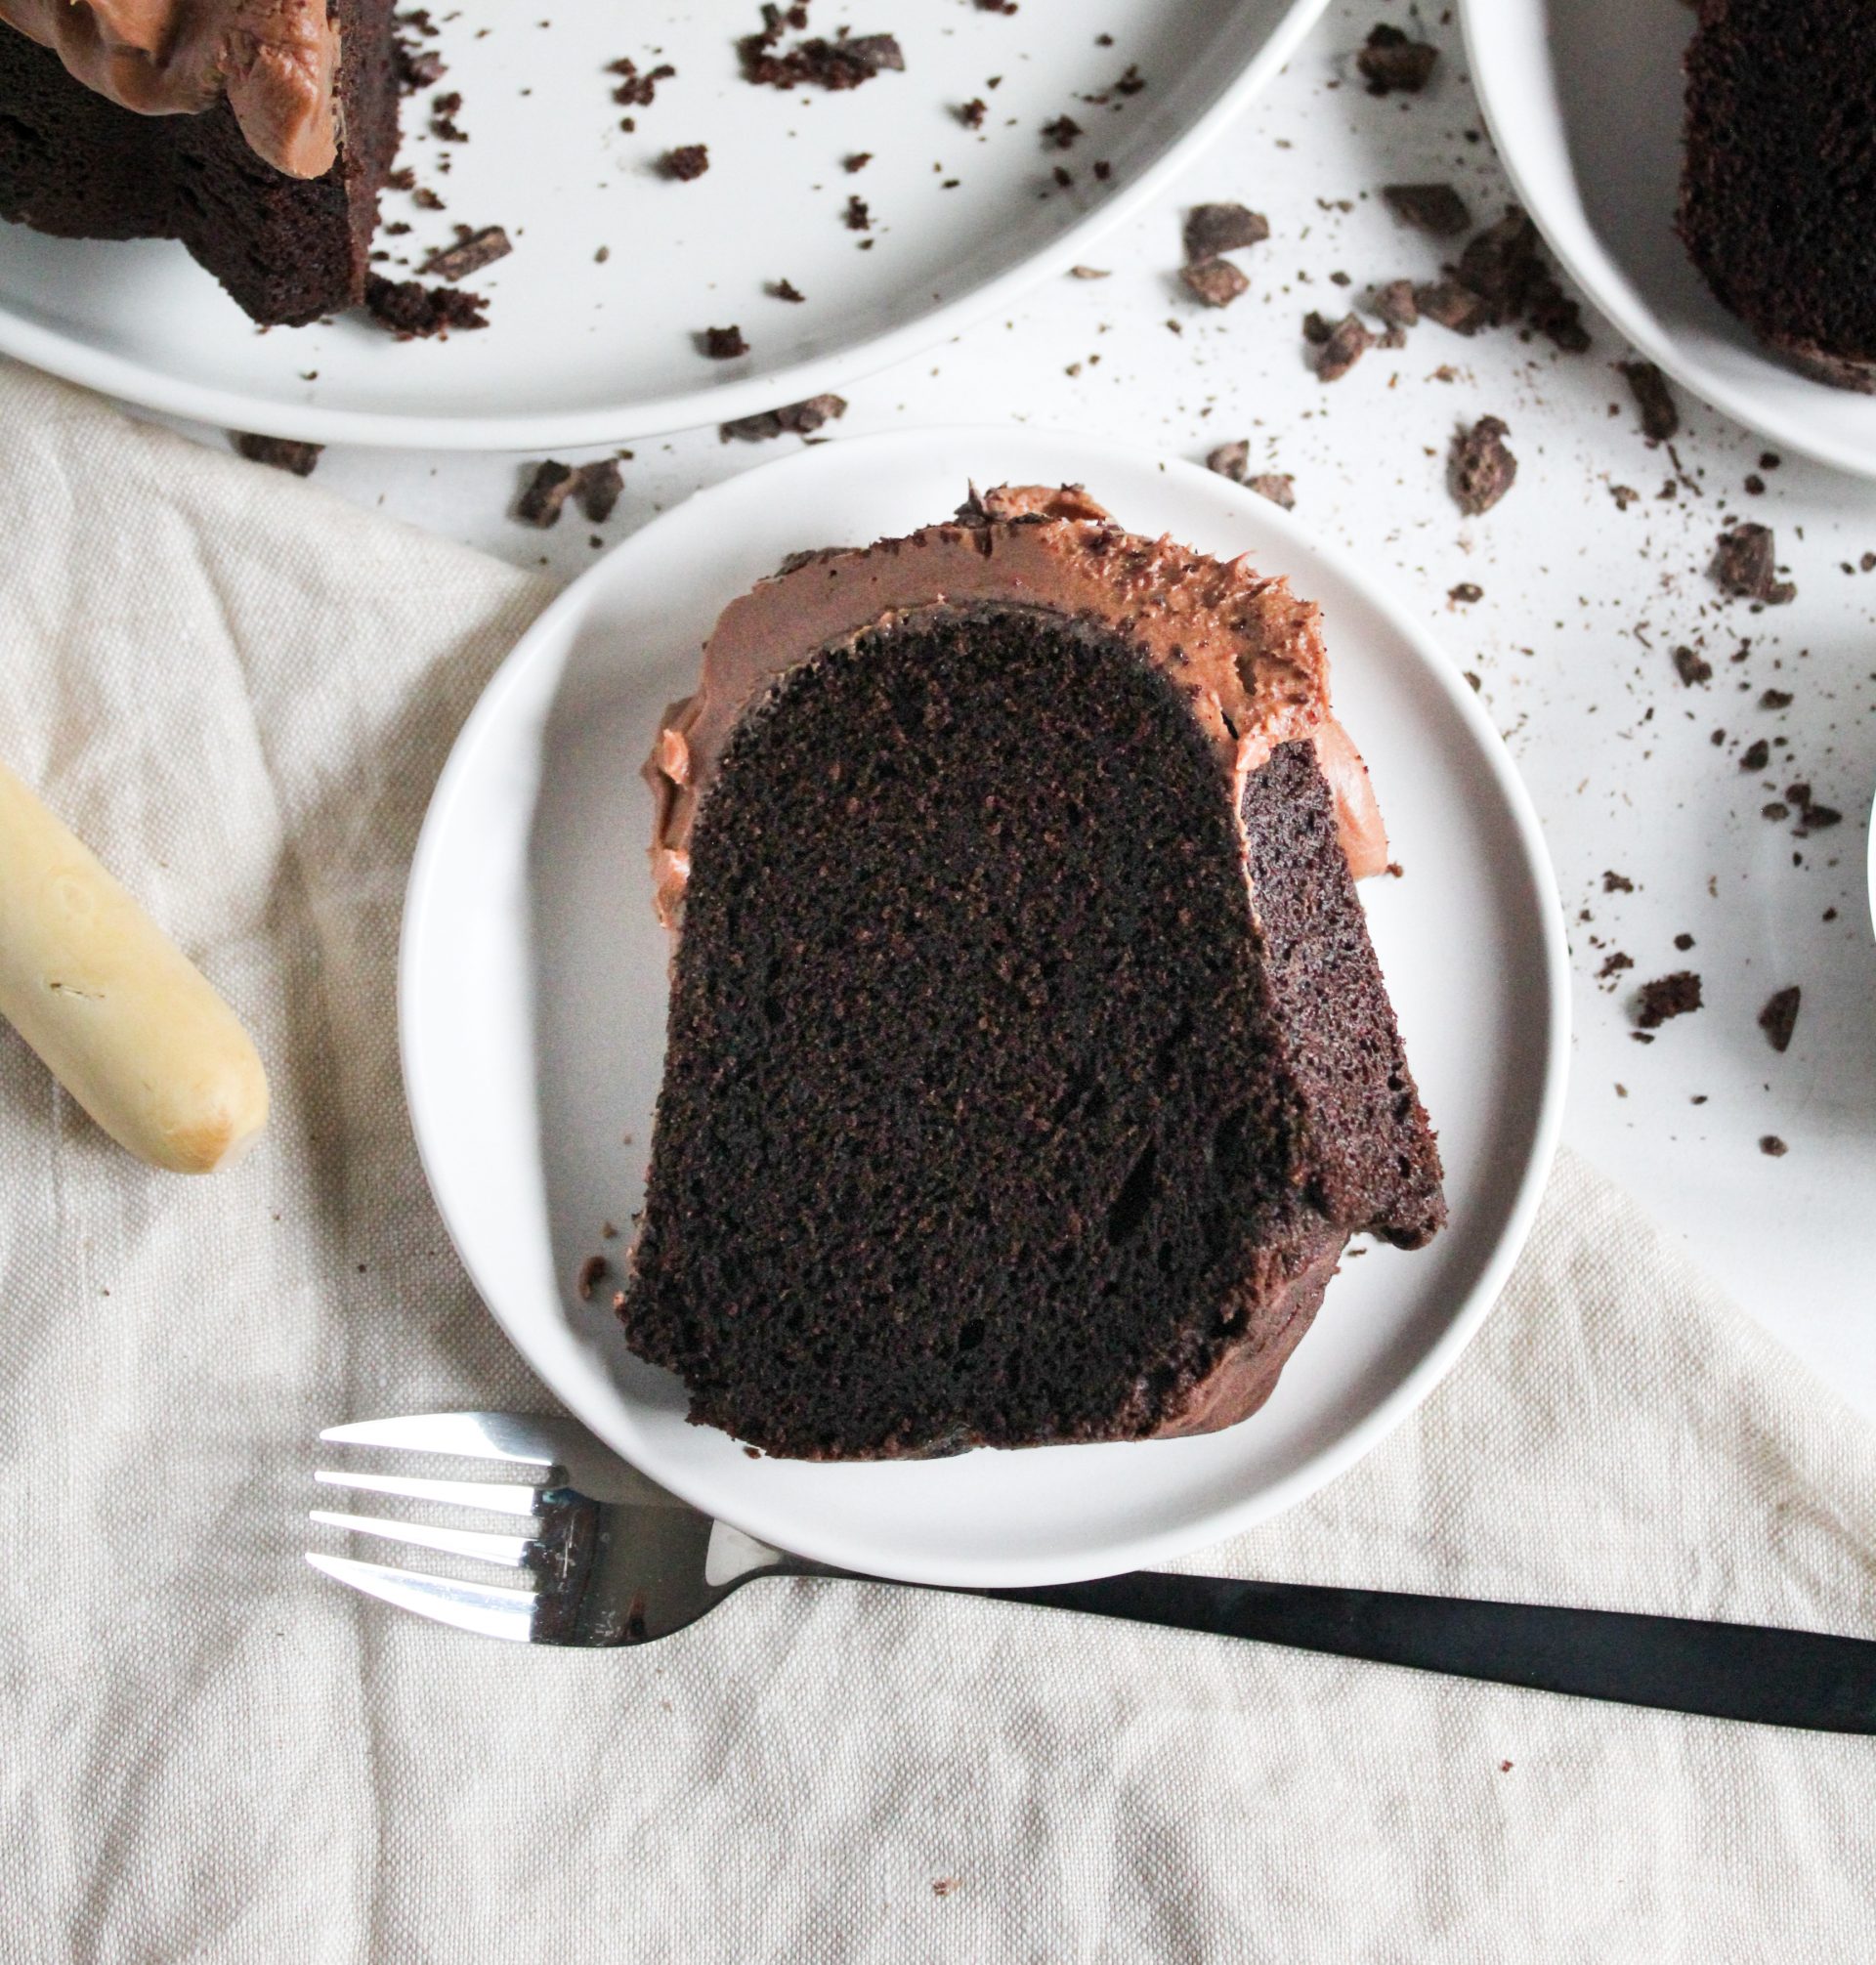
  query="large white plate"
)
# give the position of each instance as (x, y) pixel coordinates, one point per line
(583, 351)
(1584, 101)
(533, 1007)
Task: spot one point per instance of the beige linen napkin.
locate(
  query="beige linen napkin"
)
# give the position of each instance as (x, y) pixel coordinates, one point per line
(242, 691)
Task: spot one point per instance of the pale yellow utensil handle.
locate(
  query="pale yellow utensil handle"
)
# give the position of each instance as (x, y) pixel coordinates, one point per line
(127, 1024)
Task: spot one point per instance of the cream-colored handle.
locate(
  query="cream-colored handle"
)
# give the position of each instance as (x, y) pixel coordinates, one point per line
(127, 1024)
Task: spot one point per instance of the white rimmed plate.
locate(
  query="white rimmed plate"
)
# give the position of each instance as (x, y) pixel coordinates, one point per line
(1584, 101)
(533, 999)
(581, 350)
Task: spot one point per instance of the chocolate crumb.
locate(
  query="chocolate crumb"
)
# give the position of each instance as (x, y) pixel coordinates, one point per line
(472, 251)
(943, 1885)
(1348, 341)
(634, 90)
(597, 487)
(1743, 566)
(590, 1271)
(1776, 698)
(1669, 996)
(1779, 1017)
(785, 289)
(1755, 755)
(1465, 592)
(1279, 487)
(688, 162)
(1613, 965)
(1617, 884)
(1088, 272)
(1213, 228)
(843, 62)
(1691, 667)
(284, 453)
(546, 492)
(800, 418)
(1215, 282)
(1315, 330)
(1772, 1148)
(1683, 942)
(1660, 417)
(972, 114)
(1482, 470)
(722, 344)
(1230, 460)
(1453, 306)
(1061, 133)
(858, 217)
(1437, 209)
(1390, 61)
(1396, 304)
(856, 161)
(426, 200)
(414, 311)
(1776, 810)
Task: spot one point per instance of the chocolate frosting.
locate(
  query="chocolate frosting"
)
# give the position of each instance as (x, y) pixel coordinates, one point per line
(277, 61)
(1248, 654)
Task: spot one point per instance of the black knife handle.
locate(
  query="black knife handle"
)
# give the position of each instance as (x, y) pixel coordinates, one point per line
(1729, 1671)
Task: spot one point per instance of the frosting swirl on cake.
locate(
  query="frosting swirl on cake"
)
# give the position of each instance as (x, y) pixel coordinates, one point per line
(1245, 649)
(275, 61)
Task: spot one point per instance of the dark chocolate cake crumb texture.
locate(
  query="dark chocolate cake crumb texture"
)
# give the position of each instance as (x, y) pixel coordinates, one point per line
(843, 62)
(284, 454)
(1392, 60)
(1346, 343)
(412, 311)
(688, 162)
(1215, 282)
(1667, 996)
(722, 344)
(1745, 565)
(1483, 469)
(800, 419)
(1213, 228)
(595, 488)
(472, 251)
(1437, 209)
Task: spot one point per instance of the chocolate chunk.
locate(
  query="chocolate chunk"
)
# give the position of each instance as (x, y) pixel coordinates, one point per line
(414, 311)
(785, 289)
(596, 489)
(1744, 565)
(282, 452)
(843, 62)
(1660, 416)
(1772, 1146)
(1061, 134)
(1482, 470)
(1776, 698)
(1754, 756)
(1390, 61)
(472, 251)
(1435, 209)
(722, 344)
(546, 492)
(1454, 306)
(1617, 884)
(1500, 263)
(1279, 487)
(1779, 1017)
(1230, 460)
(800, 418)
(1315, 330)
(1396, 305)
(1691, 668)
(684, 163)
(1213, 228)
(1215, 281)
(1667, 996)
(1348, 341)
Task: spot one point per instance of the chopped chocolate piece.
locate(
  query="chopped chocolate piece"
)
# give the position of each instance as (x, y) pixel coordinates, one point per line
(1279, 487)
(1691, 668)
(1617, 884)
(284, 453)
(1230, 460)
(546, 492)
(596, 489)
(1669, 996)
(800, 418)
(472, 251)
(1436, 208)
(1390, 61)
(416, 312)
(1754, 756)
(1396, 304)
(1213, 228)
(843, 62)
(722, 344)
(588, 1275)
(1654, 400)
(1483, 469)
(1779, 1017)
(1465, 592)
(785, 289)
(1454, 306)
(684, 163)
(1348, 341)
(1215, 281)
(1061, 134)
(1500, 263)
(858, 216)
(1772, 1146)
(1315, 330)
(1819, 818)
(1743, 566)
(1776, 698)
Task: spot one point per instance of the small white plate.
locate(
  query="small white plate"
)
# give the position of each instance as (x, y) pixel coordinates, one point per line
(532, 999)
(583, 351)
(1584, 101)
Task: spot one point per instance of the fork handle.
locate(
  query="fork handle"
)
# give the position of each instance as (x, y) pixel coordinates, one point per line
(1777, 1677)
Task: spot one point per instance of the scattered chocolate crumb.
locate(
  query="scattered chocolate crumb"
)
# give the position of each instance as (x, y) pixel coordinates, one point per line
(602, 255)
(688, 162)
(1660, 417)
(546, 492)
(800, 418)
(722, 344)
(1691, 667)
(1396, 304)
(785, 289)
(1482, 470)
(419, 68)
(1061, 134)
(1348, 341)
(856, 161)
(472, 251)
(1315, 330)
(426, 200)
(1776, 810)
(1279, 487)
(1213, 228)
(1431, 208)
(1390, 61)
(597, 487)
(608, 1232)
(414, 311)
(1743, 566)
(284, 453)
(1779, 1017)
(1614, 965)
(1465, 592)
(1668, 995)
(1683, 942)
(1772, 1147)
(1755, 755)
(443, 119)
(1776, 698)
(1624, 496)
(1755, 485)
(1503, 1766)
(1230, 460)
(634, 90)
(858, 217)
(590, 1271)
(1617, 884)
(1453, 306)
(972, 114)
(1215, 282)
(402, 180)
(1088, 272)
(1473, 676)
(843, 62)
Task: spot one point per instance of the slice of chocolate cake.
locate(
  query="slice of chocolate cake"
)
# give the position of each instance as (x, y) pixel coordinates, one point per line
(1028, 1063)
(1778, 186)
(257, 132)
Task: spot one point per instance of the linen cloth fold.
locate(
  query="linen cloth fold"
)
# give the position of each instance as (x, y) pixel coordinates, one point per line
(241, 691)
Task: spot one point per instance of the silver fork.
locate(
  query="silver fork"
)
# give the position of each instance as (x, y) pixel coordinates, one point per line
(612, 1558)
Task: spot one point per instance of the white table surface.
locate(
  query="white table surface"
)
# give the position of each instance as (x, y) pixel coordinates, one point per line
(1571, 641)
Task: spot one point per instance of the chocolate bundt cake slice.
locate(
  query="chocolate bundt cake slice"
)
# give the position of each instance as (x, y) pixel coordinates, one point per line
(1028, 1063)
(1778, 186)
(257, 132)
